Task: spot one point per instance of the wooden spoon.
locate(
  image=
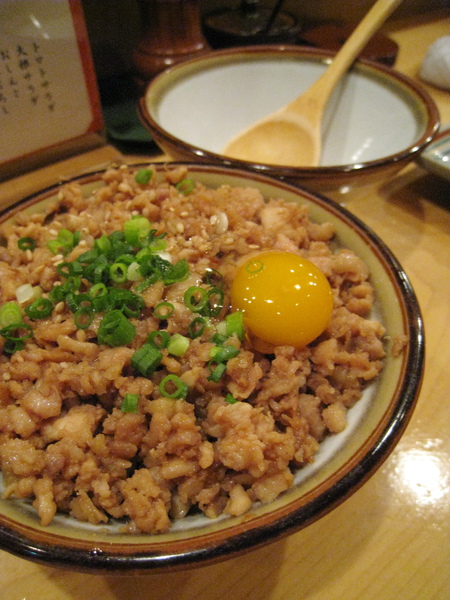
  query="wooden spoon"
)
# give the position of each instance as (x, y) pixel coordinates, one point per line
(292, 136)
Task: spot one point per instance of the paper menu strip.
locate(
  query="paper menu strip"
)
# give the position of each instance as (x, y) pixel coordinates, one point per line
(48, 93)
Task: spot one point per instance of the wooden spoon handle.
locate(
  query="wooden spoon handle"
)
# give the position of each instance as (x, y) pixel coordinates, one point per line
(323, 87)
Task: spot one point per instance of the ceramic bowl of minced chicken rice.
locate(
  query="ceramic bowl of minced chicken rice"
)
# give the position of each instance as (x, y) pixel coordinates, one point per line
(194, 361)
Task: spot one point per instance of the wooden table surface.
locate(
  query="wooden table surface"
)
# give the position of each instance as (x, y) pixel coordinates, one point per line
(391, 539)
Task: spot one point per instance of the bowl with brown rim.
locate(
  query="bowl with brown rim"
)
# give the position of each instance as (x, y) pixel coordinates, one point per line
(344, 462)
(377, 121)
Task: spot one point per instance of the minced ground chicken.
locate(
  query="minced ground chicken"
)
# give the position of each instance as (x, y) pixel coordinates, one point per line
(69, 442)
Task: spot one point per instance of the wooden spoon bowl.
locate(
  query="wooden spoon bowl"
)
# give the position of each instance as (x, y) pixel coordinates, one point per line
(293, 134)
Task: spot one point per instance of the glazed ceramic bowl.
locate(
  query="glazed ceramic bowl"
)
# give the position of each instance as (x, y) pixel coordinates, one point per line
(377, 121)
(436, 157)
(344, 462)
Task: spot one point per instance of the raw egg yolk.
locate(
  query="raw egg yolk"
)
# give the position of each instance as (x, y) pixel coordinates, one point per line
(286, 299)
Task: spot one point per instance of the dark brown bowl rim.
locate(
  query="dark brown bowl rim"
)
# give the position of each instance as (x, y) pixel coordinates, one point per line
(60, 551)
(409, 153)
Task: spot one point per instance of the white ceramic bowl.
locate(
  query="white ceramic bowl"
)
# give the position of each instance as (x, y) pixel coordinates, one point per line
(377, 121)
(344, 462)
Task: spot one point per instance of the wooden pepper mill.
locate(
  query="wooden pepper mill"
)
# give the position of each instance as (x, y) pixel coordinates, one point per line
(171, 32)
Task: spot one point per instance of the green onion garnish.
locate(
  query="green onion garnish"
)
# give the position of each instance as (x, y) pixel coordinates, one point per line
(158, 339)
(216, 371)
(83, 317)
(215, 302)
(65, 242)
(26, 243)
(39, 309)
(173, 387)
(163, 310)
(178, 344)
(177, 272)
(214, 278)
(97, 290)
(230, 399)
(185, 186)
(254, 266)
(102, 244)
(10, 314)
(195, 298)
(17, 331)
(118, 272)
(223, 353)
(143, 176)
(197, 327)
(130, 403)
(234, 324)
(115, 329)
(146, 360)
(136, 230)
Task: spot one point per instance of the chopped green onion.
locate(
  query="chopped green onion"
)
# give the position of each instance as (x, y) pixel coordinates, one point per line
(173, 273)
(223, 353)
(26, 243)
(143, 176)
(214, 278)
(216, 371)
(185, 186)
(254, 266)
(130, 403)
(173, 387)
(230, 399)
(130, 303)
(115, 329)
(70, 269)
(234, 323)
(39, 309)
(133, 272)
(98, 290)
(64, 269)
(219, 338)
(102, 244)
(28, 293)
(158, 339)
(221, 329)
(10, 314)
(158, 244)
(146, 283)
(163, 310)
(83, 317)
(136, 230)
(146, 360)
(215, 302)
(14, 333)
(71, 301)
(11, 346)
(178, 344)
(118, 272)
(197, 327)
(54, 246)
(65, 242)
(195, 298)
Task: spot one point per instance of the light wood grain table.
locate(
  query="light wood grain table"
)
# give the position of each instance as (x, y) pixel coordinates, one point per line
(391, 539)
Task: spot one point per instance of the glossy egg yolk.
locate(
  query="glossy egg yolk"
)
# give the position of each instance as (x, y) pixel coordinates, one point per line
(286, 299)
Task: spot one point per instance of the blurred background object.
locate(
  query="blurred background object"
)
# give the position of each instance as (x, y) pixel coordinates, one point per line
(171, 31)
(123, 39)
(45, 60)
(250, 23)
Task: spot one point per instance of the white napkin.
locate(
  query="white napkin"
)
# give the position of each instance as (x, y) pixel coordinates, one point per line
(435, 68)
